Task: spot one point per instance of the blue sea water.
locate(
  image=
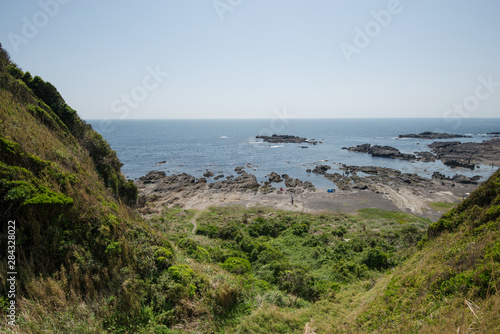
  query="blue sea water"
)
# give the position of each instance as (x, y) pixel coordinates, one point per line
(193, 146)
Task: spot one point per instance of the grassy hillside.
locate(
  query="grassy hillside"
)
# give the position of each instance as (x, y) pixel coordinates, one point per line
(79, 246)
(87, 263)
(452, 283)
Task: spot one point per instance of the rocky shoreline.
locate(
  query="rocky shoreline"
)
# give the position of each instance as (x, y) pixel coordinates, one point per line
(383, 187)
(358, 186)
(468, 155)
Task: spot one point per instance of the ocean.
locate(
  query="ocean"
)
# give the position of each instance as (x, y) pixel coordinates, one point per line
(194, 146)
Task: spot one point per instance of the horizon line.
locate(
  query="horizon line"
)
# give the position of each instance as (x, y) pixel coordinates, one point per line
(270, 118)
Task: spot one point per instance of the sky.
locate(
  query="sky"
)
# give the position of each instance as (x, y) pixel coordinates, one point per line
(261, 58)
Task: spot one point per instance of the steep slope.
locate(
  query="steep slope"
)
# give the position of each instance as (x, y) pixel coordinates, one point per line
(81, 260)
(451, 284)
(74, 234)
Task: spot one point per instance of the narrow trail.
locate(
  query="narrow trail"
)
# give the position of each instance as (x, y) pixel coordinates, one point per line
(193, 221)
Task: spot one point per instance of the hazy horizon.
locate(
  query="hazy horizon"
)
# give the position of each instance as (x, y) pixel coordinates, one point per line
(236, 59)
(270, 118)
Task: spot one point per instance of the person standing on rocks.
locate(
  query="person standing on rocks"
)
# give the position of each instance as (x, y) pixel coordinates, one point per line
(292, 200)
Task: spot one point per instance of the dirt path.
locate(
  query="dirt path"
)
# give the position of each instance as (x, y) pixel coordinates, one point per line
(193, 221)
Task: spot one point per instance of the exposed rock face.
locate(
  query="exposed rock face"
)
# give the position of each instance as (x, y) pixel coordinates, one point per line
(382, 151)
(293, 183)
(373, 170)
(456, 178)
(208, 174)
(425, 156)
(282, 139)
(239, 170)
(393, 178)
(457, 154)
(160, 182)
(275, 177)
(297, 186)
(432, 135)
(321, 169)
(308, 186)
(152, 176)
(243, 182)
(169, 189)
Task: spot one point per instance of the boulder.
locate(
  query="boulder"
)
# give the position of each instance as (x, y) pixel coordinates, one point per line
(321, 169)
(208, 173)
(275, 177)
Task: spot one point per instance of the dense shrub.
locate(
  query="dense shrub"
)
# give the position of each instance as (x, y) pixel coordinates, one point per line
(237, 265)
(375, 258)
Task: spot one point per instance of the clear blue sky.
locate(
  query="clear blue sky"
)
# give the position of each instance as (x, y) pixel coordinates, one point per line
(248, 58)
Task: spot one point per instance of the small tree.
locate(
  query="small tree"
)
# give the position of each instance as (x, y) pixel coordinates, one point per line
(376, 259)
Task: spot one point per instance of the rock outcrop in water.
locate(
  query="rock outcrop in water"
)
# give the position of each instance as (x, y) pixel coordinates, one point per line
(432, 135)
(456, 178)
(425, 156)
(467, 155)
(382, 151)
(283, 139)
(321, 169)
(451, 153)
(275, 177)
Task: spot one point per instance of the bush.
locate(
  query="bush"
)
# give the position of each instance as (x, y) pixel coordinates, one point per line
(300, 229)
(263, 227)
(228, 232)
(237, 265)
(181, 273)
(193, 249)
(340, 231)
(210, 231)
(375, 258)
(163, 258)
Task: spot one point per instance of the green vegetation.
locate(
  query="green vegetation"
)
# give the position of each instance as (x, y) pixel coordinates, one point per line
(89, 264)
(442, 206)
